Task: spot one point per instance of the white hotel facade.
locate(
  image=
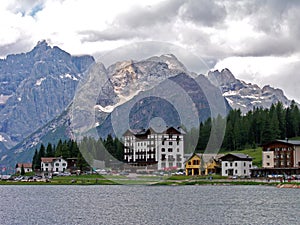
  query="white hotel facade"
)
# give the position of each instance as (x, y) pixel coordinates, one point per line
(163, 150)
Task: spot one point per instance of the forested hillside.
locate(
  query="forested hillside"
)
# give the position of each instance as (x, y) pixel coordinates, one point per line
(253, 129)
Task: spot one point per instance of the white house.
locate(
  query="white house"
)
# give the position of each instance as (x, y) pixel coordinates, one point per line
(148, 147)
(27, 167)
(236, 164)
(50, 164)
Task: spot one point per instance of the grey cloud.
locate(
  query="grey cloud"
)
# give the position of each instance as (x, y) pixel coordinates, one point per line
(111, 34)
(23, 44)
(269, 46)
(203, 12)
(146, 49)
(288, 80)
(163, 12)
(278, 23)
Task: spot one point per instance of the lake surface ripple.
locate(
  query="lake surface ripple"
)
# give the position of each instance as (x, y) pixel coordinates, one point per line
(128, 204)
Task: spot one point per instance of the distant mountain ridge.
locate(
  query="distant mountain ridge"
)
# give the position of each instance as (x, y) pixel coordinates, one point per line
(245, 96)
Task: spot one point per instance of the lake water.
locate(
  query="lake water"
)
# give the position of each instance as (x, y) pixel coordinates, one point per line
(123, 204)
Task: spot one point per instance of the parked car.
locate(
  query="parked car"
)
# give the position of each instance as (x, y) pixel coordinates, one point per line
(124, 173)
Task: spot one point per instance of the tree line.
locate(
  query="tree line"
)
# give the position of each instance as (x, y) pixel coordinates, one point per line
(87, 149)
(253, 129)
(65, 149)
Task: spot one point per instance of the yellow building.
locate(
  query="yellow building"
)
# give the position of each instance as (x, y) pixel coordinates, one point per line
(203, 164)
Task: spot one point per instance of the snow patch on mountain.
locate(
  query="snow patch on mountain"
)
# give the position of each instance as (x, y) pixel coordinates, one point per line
(4, 98)
(39, 81)
(69, 76)
(2, 139)
(245, 96)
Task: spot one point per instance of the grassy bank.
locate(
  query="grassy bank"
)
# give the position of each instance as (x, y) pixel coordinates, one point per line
(256, 155)
(219, 182)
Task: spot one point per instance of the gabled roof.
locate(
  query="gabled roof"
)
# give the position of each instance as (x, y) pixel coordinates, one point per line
(293, 142)
(25, 165)
(48, 159)
(145, 132)
(173, 130)
(236, 157)
(206, 157)
(136, 132)
(289, 142)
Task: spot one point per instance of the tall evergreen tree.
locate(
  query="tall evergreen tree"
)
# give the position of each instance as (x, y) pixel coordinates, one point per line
(22, 170)
(35, 161)
(49, 151)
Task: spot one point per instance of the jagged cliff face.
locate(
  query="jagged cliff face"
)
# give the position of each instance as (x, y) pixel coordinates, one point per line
(36, 87)
(127, 79)
(241, 95)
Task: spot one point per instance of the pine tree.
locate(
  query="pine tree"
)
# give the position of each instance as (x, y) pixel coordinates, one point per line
(58, 150)
(22, 170)
(35, 161)
(49, 151)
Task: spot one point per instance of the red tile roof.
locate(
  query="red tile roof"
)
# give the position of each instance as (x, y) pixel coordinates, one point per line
(25, 165)
(48, 159)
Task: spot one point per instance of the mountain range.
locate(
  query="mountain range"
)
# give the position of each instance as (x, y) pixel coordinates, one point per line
(245, 96)
(43, 95)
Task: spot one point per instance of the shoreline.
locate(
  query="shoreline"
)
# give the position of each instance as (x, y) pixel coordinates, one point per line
(164, 182)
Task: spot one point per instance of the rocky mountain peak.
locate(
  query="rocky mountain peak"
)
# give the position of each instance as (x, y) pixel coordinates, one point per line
(223, 78)
(37, 86)
(243, 96)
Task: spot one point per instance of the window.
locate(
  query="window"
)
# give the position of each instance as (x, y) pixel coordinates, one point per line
(170, 150)
(170, 164)
(244, 171)
(64, 164)
(56, 164)
(170, 143)
(178, 165)
(177, 149)
(226, 164)
(236, 171)
(225, 171)
(163, 165)
(249, 165)
(230, 164)
(163, 149)
(268, 164)
(170, 136)
(46, 164)
(268, 156)
(189, 163)
(244, 164)
(196, 162)
(163, 157)
(235, 164)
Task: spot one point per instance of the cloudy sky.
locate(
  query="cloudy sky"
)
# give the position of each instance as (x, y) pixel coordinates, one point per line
(259, 41)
